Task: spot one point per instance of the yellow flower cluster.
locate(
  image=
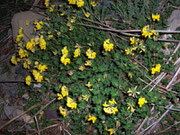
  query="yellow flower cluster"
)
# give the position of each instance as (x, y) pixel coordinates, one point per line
(28, 80)
(64, 92)
(51, 9)
(63, 111)
(85, 97)
(90, 54)
(13, 60)
(42, 43)
(156, 17)
(46, 3)
(79, 3)
(133, 92)
(30, 45)
(20, 35)
(26, 64)
(40, 67)
(77, 52)
(141, 101)
(110, 107)
(64, 58)
(147, 32)
(88, 63)
(38, 77)
(156, 69)
(23, 53)
(136, 45)
(107, 45)
(87, 14)
(93, 3)
(71, 103)
(131, 106)
(111, 131)
(34, 41)
(38, 25)
(92, 118)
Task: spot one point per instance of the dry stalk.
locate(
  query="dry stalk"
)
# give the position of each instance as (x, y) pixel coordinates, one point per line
(40, 111)
(13, 119)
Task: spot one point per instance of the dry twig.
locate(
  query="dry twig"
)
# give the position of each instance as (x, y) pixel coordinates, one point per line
(39, 111)
(13, 119)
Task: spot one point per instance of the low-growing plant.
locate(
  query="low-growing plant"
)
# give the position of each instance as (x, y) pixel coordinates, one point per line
(85, 55)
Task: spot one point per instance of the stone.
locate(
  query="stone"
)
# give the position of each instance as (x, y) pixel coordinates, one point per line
(19, 20)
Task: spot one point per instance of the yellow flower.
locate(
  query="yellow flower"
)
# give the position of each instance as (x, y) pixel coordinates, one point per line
(38, 77)
(112, 102)
(51, 9)
(26, 65)
(38, 26)
(41, 68)
(18, 38)
(85, 97)
(141, 101)
(91, 89)
(110, 110)
(88, 63)
(105, 104)
(87, 14)
(64, 91)
(70, 103)
(77, 52)
(88, 84)
(46, 3)
(92, 118)
(107, 45)
(131, 106)
(158, 67)
(28, 80)
(64, 51)
(133, 92)
(80, 3)
(132, 40)
(63, 111)
(27, 22)
(50, 37)
(42, 43)
(65, 60)
(72, 2)
(59, 96)
(156, 17)
(22, 53)
(73, 19)
(30, 45)
(153, 70)
(90, 54)
(111, 131)
(147, 32)
(128, 51)
(20, 30)
(62, 13)
(13, 60)
(93, 3)
(20, 34)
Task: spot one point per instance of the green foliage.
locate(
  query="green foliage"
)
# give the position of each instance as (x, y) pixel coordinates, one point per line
(115, 79)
